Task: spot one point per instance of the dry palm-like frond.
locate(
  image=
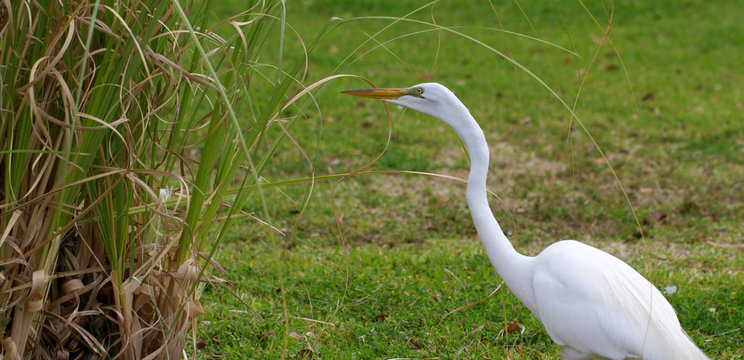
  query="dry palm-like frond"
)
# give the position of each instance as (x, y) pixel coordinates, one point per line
(119, 141)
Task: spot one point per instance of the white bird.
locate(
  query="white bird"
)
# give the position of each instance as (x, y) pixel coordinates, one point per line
(591, 303)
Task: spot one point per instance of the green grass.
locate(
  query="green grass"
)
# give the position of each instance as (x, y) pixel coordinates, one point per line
(411, 251)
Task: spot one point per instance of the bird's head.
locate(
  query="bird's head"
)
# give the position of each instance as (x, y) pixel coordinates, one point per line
(428, 98)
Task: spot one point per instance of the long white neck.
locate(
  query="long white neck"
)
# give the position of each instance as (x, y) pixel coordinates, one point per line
(515, 269)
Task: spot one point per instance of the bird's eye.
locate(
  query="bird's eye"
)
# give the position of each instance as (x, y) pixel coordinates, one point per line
(414, 91)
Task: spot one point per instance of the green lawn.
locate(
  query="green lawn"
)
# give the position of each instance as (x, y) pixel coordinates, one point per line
(673, 132)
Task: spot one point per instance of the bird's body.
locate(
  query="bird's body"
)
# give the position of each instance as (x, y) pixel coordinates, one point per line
(592, 304)
(605, 300)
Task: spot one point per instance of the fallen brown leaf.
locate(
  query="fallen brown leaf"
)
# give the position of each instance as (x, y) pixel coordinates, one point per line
(380, 317)
(649, 97)
(512, 327)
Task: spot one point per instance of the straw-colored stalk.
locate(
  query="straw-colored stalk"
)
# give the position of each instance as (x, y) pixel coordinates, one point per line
(119, 141)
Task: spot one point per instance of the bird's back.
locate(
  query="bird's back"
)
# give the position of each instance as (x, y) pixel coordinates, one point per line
(592, 303)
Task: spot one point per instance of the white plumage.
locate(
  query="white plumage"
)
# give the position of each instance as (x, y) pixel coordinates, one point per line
(592, 304)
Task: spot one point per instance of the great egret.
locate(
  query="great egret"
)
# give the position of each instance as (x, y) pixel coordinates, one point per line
(591, 303)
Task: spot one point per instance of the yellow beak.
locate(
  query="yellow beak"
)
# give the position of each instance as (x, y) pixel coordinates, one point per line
(387, 94)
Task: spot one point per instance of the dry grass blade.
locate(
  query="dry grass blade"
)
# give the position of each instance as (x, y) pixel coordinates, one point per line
(107, 114)
(468, 306)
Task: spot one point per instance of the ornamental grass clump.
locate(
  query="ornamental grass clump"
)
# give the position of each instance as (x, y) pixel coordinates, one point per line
(122, 162)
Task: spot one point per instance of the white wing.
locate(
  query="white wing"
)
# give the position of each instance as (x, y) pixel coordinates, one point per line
(593, 303)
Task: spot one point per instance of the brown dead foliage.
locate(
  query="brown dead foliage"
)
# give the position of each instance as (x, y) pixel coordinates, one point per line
(92, 253)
